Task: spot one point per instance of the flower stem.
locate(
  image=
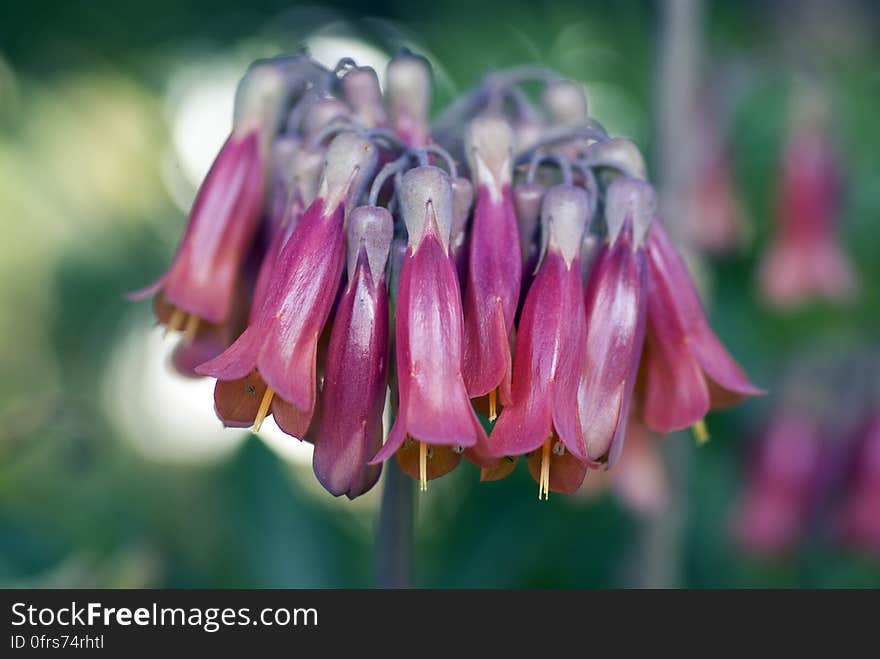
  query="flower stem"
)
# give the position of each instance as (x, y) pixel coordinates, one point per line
(394, 537)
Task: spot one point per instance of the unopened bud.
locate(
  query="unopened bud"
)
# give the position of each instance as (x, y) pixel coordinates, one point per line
(370, 228)
(361, 88)
(618, 153)
(490, 143)
(351, 159)
(566, 102)
(425, 198)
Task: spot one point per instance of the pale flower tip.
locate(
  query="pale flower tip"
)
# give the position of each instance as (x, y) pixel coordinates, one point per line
(421, 188)
(408, 83)
(619, 153)
(361, 89)
(490, 142)
(566, 102)
(351, 159)
(370, 228)
(564, 215)
(633, 200)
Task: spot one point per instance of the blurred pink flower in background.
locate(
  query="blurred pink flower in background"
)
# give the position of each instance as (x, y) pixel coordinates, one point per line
(805, 259)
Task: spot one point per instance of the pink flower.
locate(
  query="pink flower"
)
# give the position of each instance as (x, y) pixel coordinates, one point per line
(687, 371)
(349, 429)
(435, 411)
(773, 514)
(494, 264)
(616, 308)
(281, 341)
(805, 259)
(549, 355)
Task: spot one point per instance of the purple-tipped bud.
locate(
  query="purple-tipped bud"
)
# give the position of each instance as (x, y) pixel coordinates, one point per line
(322, 113)
(370, 230)
(361, 88)
(630, 200)
(566, 102)
(565, 213)
(355, 375)
(427, 204)
(618, 153)
(408, 90)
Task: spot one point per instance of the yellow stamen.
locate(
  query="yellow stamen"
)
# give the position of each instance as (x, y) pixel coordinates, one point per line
(544, 482)
(264, 408)
(175, 321)
(493, 403)
(423, 467)
(192, 326)
(701, 432)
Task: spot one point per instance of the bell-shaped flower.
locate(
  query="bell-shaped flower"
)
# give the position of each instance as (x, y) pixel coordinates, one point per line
(782, 485)
(202, 282)
(686, 369)
(435, 422)
(616, 308)
(805, 259)
(349, 426)
(861, 509)
(549, 355)
(281, 341)
(494, 266)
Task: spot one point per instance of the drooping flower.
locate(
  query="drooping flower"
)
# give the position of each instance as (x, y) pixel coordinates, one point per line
(494, 264)
(435, 422)
(773, 513)
(281, 341)
(201, 284)
(686, 369)
(805, 259)
(349, 429)
(616, 308)
(542, 419)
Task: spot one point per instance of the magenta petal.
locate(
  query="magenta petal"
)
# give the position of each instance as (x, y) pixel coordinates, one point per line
(669, 272)
(548, 337)
(434, 404)
(237, 360)
(492, 292)
(353, 395)
(298, 303)
(222, 225)
(616, 308)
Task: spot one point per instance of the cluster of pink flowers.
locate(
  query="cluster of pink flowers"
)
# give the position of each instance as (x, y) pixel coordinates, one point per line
(337, 248)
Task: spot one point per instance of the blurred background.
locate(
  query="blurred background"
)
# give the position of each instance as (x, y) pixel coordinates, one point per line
(114, 471)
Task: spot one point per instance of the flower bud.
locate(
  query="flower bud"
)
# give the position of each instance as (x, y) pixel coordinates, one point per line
(360, 86)
(426, 199)
(350, 162)
(370, 228)
(566, 102)
(564, 216)
(489, 150)
(408, 85)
